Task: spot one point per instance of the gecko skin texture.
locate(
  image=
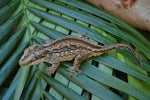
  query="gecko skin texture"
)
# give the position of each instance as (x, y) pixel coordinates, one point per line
(65, 49)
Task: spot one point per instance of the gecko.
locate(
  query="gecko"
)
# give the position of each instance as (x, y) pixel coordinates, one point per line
(68, 48)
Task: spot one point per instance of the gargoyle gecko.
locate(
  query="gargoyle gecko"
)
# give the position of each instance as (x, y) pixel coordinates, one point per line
(68, 48)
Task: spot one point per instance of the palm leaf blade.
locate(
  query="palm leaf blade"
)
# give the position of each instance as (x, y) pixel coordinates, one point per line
(71, 25)
(68, 93)
(47, 31)
(10, 92)
(44, 20)
(21, 82)
(116, 64)
(7, 11)
(3, 3)
(91, 86)
(48, 96)
(10, 64)
(8, 27)
(89, 8)
(112, 81)
(10, 45)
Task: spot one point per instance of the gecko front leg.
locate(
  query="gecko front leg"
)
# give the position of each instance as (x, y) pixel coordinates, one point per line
(52, 69)
(78, 59)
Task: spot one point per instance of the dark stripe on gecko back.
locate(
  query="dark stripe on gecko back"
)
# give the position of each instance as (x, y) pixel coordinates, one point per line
(73, 39)
(72, 47)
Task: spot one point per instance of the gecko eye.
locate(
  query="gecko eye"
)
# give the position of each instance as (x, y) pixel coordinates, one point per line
(34, 59)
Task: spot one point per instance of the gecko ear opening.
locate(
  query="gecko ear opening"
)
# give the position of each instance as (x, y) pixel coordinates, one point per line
(34, 59)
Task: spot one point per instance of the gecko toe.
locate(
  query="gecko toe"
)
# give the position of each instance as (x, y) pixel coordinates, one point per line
(73, 70)
(82, 35)
(50, 70)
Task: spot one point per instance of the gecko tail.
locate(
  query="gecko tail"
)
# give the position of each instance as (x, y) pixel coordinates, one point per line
(126, 47)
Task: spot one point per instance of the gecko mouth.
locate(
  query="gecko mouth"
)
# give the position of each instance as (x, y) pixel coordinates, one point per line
(22, 64)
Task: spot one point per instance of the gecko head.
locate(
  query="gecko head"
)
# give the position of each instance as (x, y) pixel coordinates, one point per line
(32, 55)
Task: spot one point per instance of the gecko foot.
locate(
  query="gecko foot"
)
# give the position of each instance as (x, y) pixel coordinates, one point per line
(50, 70)
(82, 35)
(73, 70)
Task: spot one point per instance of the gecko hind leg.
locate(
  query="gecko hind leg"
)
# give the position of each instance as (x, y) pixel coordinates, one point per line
(82, 35)
(78, 59)
(52, 69)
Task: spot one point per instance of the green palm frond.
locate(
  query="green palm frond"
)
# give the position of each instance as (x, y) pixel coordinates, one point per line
(27, 22)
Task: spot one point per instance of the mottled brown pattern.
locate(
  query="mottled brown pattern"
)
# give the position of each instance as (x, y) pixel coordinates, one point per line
(65, 49)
